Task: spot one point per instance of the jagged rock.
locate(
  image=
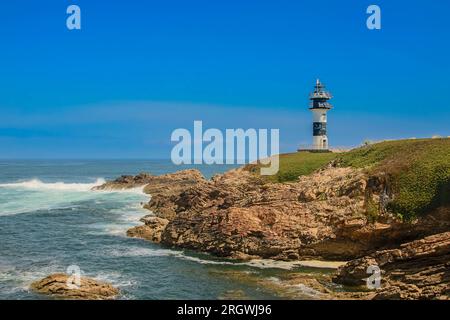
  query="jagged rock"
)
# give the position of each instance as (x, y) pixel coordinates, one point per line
(167, 183)
(415, 270)
(238, 214)
(151, 230)
(56, 285)
(321, 216)
(126, 182)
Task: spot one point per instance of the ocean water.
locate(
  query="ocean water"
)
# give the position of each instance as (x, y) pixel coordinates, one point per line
(50, 219)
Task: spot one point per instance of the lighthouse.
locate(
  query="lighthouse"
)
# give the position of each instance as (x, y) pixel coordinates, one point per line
(319, 107)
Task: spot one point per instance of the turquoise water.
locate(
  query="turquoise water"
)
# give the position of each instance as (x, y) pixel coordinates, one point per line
(50, 219)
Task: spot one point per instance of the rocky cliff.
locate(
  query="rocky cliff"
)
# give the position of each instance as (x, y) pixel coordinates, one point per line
(323, 215)
(337, 212)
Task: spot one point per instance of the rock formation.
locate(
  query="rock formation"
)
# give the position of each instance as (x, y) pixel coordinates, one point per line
(326, 215)
(89, 289)
(151, 230)
(236, 214)
(415, 270)
(167, 183)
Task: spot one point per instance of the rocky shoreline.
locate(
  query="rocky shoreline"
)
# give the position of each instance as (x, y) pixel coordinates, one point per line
(322, 216)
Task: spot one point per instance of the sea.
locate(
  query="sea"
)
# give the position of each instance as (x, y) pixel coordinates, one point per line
(51, 221)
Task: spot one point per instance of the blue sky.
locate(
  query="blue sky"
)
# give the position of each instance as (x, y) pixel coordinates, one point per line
(140, 69)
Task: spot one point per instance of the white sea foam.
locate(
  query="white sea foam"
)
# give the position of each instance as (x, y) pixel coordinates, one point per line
(115, 278)
(37, 184)
(32, 195)
(310, 292)
(274, 279)
(301, 288)
(123, 218)
(23, 278)
(289, 265)
(130, 251)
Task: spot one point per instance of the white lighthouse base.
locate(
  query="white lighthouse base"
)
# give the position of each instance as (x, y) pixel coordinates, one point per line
(320, 142)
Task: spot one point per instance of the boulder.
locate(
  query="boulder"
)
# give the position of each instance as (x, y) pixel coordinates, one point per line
(56, 285)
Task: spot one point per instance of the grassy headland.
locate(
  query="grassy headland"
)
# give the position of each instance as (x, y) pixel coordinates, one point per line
(417, 170)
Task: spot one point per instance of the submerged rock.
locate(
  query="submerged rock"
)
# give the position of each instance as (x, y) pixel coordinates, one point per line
(56, 285)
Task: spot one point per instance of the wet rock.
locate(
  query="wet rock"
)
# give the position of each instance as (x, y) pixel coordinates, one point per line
(55, 285)
(151, 230)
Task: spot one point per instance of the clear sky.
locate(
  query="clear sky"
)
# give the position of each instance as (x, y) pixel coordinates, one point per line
(137, 70)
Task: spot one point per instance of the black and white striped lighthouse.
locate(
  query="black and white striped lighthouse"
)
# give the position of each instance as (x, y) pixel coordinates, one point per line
(319, 106)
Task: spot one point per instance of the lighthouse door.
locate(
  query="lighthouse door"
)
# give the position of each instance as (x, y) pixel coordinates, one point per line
(324, 144)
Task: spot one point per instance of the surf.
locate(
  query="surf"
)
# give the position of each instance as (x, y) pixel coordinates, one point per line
(34, 195)
(36, 184)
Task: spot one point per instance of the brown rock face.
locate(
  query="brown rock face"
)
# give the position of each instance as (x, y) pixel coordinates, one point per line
(415, 270)
(126, 182)
(151, 230)
(326, 215)
(323, 215)
(89, 289)
(167, 183)
(236, 214)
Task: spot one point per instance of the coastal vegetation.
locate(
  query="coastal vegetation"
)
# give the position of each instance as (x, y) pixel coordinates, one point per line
(416, 171)
(293, 165)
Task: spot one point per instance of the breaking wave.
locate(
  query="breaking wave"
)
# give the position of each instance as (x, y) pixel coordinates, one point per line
(34, 195)
(37, 184)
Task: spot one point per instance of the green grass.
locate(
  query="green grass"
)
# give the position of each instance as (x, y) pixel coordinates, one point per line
(293, 165)
(417, 171)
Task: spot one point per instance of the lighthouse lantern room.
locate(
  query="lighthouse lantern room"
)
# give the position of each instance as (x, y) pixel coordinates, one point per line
(319, 106)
